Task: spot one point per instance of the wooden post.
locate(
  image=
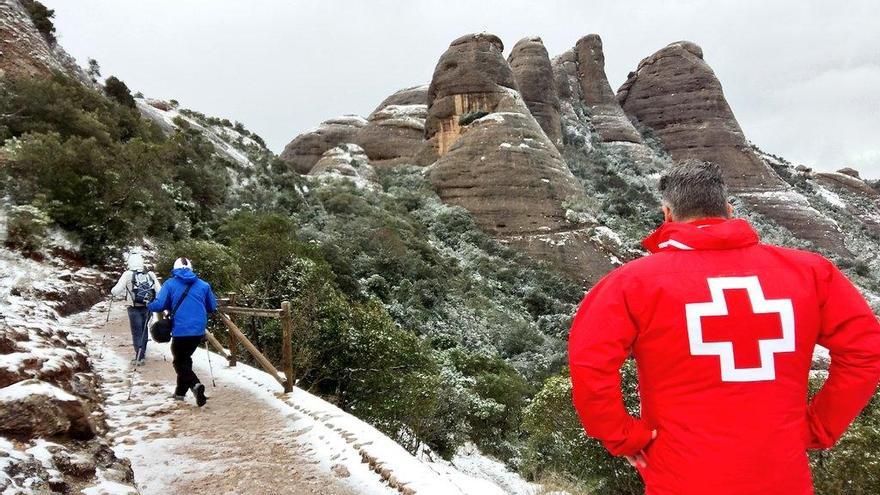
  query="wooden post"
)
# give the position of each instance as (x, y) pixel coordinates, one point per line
(264, 362)
(287, 345)
(233, 342)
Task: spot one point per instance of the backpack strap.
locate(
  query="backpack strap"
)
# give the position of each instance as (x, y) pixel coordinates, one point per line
(180, 301)
(130, 289)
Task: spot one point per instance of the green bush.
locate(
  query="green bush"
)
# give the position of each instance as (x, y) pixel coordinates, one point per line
(213, 262)
(107, 195)
(104, 173)
(42, 19)
(558, 446)
(500, 394)
(852, 467)
(263, 243)
(117, 90)
(26, 228)
(59, 104)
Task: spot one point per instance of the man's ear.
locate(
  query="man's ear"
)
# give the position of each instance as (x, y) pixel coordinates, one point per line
(667, 214)
(729, 210)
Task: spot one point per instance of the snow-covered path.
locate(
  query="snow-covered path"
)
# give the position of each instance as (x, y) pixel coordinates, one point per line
(251, 438)
(239, 443)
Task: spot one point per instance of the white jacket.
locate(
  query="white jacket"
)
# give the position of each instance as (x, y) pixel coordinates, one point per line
(122, 289)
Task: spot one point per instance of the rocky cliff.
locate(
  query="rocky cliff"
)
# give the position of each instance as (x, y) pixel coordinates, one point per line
(675, 93)
(543, 152)
(25, 51)
(534, 76)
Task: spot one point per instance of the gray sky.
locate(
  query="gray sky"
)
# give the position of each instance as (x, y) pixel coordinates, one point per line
(802, 76)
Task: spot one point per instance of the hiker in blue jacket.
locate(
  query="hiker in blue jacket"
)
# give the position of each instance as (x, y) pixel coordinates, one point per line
(189, 322)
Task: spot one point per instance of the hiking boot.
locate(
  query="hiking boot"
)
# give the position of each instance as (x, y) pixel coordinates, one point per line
(142, 362)
(133, 362)
(199, 391)
(180, 398)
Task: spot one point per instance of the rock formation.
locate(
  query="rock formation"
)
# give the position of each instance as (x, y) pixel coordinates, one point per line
(470, 79)
(306, 149)
(395, 131)
(496, 161)
(858, 198)
(348, 160)
(676, 94)
(534, 77)
(416, 95)
(607, 117)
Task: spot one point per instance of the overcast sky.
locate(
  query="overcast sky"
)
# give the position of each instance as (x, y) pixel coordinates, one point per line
(803, 77)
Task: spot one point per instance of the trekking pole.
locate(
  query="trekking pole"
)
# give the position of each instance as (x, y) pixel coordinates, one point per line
(211, 368)
(109, 307)
(131, 373)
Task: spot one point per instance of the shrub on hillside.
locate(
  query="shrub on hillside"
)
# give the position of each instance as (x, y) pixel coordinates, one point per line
(852, 467)
(214, 262)
(106, 195)
(42, 19)
(26, 228)
(59, 104)
(557, 445)
(118, 90)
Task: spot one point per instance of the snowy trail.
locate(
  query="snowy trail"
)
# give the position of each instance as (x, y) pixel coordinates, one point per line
(239, 443)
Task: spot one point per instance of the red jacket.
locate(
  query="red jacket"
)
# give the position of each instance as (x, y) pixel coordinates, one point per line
(722, 329)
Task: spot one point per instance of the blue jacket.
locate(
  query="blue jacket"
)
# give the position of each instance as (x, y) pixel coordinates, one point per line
(192, 316)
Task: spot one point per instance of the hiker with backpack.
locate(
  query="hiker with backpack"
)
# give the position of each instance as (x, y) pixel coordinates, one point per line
(188, 300)
(137, 286)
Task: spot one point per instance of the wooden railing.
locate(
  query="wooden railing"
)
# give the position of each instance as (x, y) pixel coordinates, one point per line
(227, 309)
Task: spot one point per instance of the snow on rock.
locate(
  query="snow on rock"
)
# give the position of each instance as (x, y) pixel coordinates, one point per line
(46, 384)
(28, 388)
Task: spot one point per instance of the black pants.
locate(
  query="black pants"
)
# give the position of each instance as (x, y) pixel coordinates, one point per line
(182, 348)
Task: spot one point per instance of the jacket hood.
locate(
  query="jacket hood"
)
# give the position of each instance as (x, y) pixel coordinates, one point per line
(703, 234)
(185, 275)
(135, 262)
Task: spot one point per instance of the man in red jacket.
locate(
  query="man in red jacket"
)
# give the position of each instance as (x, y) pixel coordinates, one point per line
(722, 329)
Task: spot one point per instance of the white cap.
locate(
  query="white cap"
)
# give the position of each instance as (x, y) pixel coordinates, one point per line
(183, 263)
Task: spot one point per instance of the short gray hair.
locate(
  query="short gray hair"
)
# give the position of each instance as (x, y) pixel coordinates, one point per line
(694, 189)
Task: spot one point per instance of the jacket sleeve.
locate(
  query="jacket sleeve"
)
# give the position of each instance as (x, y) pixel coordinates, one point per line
(120, 289)
(210, 300)
(849, 329)
(162, 302)
(600, 340)
(157, 286)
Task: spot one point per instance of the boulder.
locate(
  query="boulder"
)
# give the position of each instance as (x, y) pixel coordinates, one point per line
(850, 172)
(348, 160)
(34, 408)
(609, 120)
(395, 131)
(416, 95)
(305, 150)
(676, 94)
(534, 77)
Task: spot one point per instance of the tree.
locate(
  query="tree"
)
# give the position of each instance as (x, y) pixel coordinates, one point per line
(94, 70)
(116, 89)
(42, 19)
